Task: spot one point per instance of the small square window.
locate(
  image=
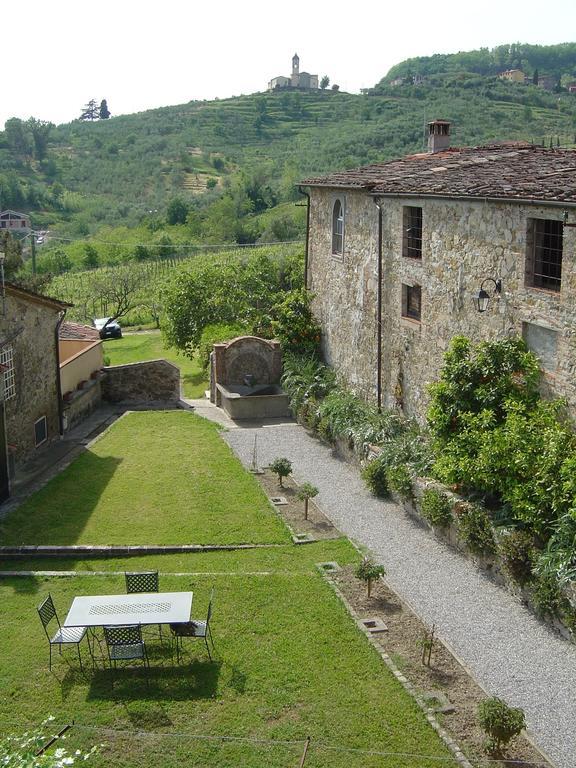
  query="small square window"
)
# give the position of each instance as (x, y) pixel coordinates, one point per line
(40, 431)
(411, 302)
(544, 254)
(543, 342)
(412, 232)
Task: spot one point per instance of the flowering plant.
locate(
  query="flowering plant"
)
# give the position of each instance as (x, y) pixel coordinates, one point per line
(22, 751)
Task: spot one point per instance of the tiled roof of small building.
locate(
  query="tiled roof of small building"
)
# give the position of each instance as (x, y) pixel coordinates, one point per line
(512, 170)
(69, 330)
(39, 298)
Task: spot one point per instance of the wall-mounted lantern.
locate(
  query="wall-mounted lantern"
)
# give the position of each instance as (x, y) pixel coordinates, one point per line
(482, 298)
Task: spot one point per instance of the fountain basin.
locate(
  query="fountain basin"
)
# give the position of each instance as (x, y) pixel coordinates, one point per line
(262, 401)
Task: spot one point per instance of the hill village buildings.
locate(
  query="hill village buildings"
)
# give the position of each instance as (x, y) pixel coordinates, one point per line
(302, 81)
(398, 253)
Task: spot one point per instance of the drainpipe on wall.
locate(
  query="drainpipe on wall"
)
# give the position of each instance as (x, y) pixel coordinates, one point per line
(302, 192)
(58, 384)
(378, 204)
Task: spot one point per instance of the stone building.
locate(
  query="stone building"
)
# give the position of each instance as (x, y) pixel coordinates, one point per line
(513, 75)
(302, 81)
(398, 253)
(30, 406)
(14, 221)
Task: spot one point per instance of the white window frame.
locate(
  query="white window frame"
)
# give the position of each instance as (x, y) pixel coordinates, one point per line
(7, 363)
(337, 227)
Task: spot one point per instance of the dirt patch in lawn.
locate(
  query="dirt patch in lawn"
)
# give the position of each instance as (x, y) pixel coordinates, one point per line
(317, 526)
(402, 640)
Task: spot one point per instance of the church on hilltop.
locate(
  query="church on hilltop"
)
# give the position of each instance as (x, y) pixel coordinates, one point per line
(302, 81)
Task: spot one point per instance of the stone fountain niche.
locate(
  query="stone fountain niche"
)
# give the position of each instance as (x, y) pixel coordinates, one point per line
(245, 378)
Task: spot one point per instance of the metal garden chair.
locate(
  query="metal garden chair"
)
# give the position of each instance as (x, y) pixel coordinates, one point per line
(194, 628)
(63, 635)
(125, 643)
(143, 581)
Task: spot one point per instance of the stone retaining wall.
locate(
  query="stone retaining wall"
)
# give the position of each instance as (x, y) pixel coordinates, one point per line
(81, 403)
(150, 381)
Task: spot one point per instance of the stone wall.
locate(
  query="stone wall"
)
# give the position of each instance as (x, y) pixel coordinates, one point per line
(346, 286)
(151, 381)
(31, 326)
(463, 242)
(80, 403)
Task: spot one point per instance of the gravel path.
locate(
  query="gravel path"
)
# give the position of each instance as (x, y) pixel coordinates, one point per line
(509, 652)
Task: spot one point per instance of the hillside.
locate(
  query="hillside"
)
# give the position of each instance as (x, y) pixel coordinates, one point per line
(555, 61)
(225, 170)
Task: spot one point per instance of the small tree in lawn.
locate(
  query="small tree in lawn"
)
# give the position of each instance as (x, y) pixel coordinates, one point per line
(368, 570)
(281, 467)
(500, 722)
(306, 492)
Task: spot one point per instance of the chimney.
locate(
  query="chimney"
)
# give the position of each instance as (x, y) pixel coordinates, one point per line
(438, 135)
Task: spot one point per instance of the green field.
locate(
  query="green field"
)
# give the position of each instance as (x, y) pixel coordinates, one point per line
(154, 478)
(289, 661)
(134, 347)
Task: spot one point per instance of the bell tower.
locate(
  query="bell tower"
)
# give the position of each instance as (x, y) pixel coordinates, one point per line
(295, 65)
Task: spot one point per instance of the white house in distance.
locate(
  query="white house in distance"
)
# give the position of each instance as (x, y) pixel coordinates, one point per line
(14, 221)
(303, 81)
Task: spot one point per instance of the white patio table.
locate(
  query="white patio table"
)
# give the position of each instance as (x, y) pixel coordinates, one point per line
(136, 608)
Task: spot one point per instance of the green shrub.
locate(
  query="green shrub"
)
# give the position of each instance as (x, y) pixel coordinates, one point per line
(359, 422)
(281, 467)
(547, 595)
(500, 722)
(306, 492)
(308, 413)
(516, 549)
(436, 507)
(375, 477)
(213, 334)
(295, 325)
(368, 570)
(481, 378)
(323, 427)
(304, 378)
(409, 447)
(400, 481)
(493, 432)
(475, 528)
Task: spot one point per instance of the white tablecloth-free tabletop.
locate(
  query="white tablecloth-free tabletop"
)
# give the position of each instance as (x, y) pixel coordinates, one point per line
(135, 608)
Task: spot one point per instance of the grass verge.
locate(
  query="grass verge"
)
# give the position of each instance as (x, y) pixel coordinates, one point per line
(153, 478)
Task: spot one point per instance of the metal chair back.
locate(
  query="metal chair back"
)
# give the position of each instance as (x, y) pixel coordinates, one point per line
(47, 612)
(209, 613)
(142, 581)
(127, 634)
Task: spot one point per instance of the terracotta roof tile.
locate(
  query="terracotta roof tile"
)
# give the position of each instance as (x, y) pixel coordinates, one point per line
(69, 330)
(513, 170)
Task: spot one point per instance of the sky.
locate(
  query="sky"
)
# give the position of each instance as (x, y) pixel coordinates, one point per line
(57, 55)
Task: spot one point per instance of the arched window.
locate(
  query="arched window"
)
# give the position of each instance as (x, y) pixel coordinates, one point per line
(338, 228)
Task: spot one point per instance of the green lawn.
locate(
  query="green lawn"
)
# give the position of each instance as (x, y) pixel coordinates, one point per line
(160, 477)
(290, 663)
(133, 348)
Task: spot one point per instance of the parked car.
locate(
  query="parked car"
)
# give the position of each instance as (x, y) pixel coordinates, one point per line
(108, 329)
